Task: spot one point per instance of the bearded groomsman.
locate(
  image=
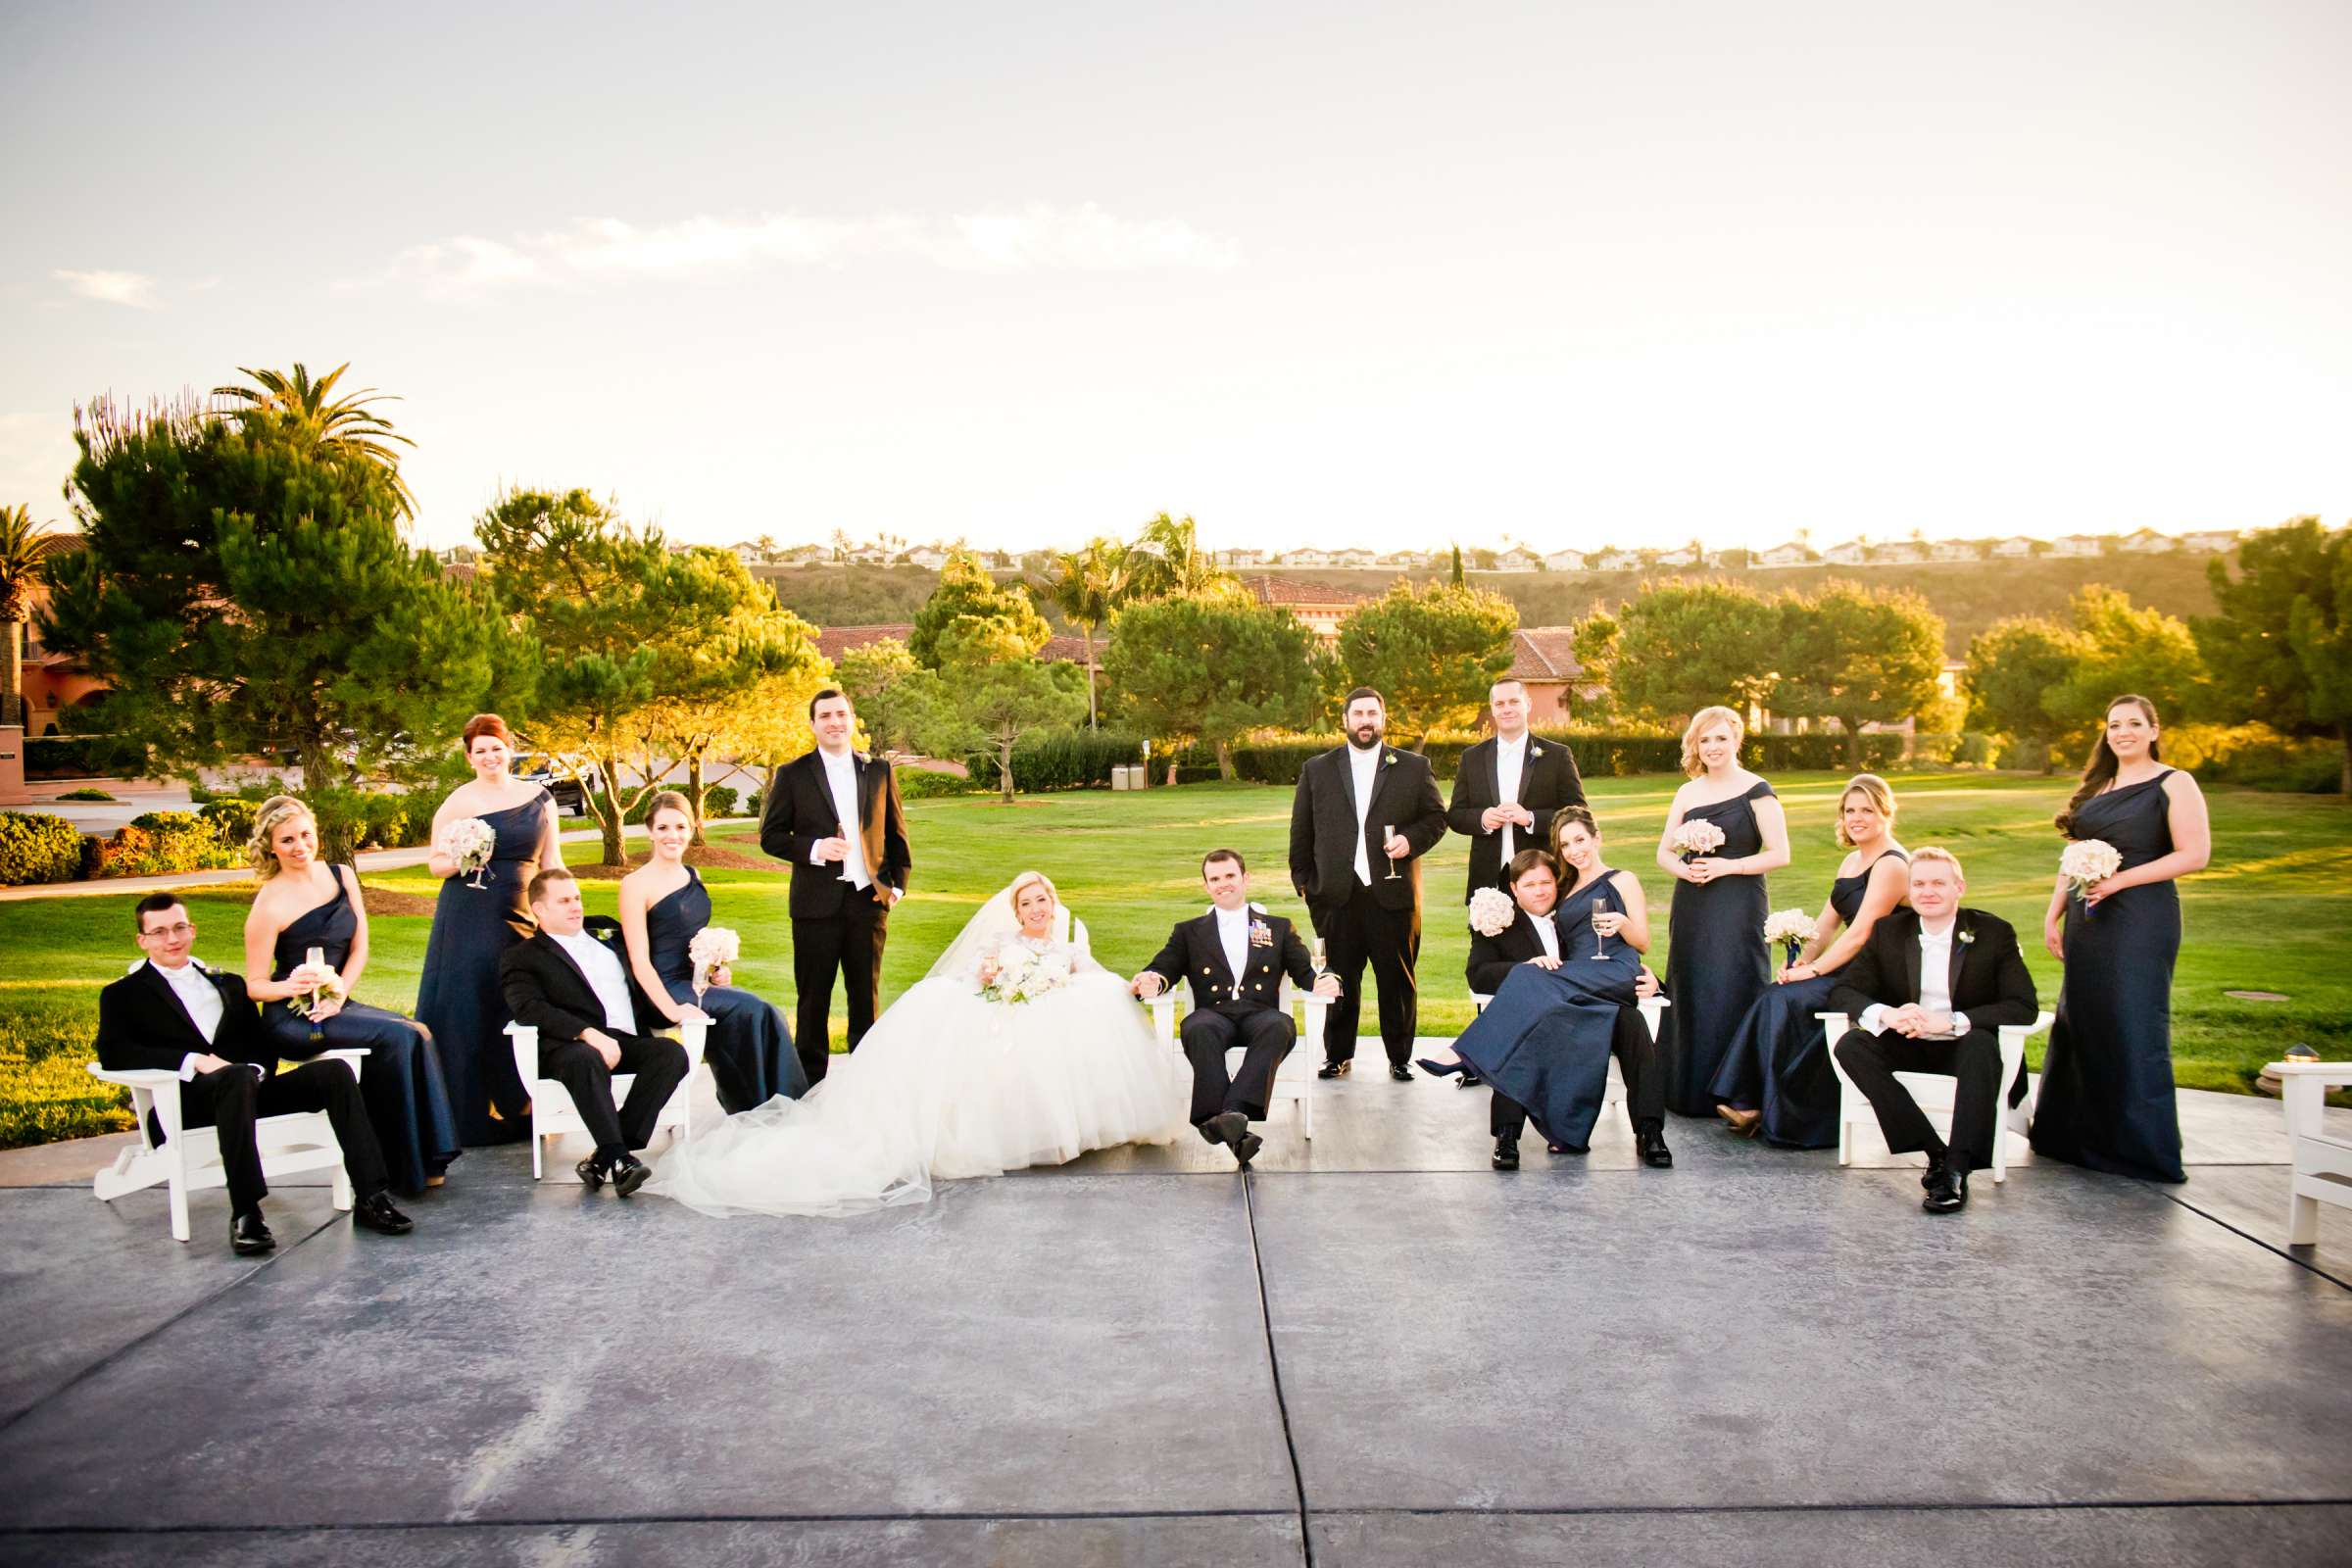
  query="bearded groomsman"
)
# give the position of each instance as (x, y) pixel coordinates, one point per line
(835, 815)
(1364, 817)
(1507, 788)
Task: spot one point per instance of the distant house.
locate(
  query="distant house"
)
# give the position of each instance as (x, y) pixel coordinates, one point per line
(1952, 549)
(2148, 542)
(1518, 558)
(750, 555)
(1239, 558)
(1318, 608)
(1544, 660)
(1564, 561)
(1788, 555)
(1617, 561)
(2076, 544)
(2014, 548)
(1686, 556)
(1351, 557)
(1853, 553)
(867, 556)
(2210, 539)
(1902, 552)
(929, 557)
(1306, 557)
(1406, 560)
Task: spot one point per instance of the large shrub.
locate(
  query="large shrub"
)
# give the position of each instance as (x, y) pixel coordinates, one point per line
(35, 847)
(230, 818)
(1071, 759)
(83, 757)
(166, 844)
(718, 801)
(922, 784)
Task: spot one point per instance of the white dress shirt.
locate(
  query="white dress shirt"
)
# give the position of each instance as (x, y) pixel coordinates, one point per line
(605, 977)
(1233, 933)
(840, 782)
(1547, 932)
(1935, 983)
(1365, 765)
(1510, 765)
(202, 999)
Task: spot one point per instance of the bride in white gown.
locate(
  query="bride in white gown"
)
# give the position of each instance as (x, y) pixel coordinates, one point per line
(951, 1082)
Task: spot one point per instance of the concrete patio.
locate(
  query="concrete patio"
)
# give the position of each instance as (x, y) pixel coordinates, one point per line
(1372, 1351)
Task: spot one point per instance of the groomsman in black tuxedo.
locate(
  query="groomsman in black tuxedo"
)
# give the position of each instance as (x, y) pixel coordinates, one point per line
(1928, 992)
(172, 1014)
(1365, 814)
(571, 987)
(1235, 956)
(835, 815)
(1507, 788)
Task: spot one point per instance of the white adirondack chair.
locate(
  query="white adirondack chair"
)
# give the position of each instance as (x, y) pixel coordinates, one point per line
(188, 1160)
(553, 1113)
(2322, 1170)
(1934, 1091)
(1294, 1079)
(1651, 1009)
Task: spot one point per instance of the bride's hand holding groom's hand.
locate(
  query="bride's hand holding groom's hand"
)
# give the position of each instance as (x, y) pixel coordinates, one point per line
(1147, 985)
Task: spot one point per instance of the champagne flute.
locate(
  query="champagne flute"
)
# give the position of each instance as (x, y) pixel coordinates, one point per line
(315, 957)
(1388, 836)
(842, 833)
(1600, 936)
(1314, 958)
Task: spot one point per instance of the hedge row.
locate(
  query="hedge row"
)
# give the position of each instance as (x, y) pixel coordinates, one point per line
(83, 757)
(1598, 754)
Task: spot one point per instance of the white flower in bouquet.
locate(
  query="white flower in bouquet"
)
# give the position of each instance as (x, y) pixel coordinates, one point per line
(1491, 912)
(302, 1004)
(1023, 975)
(1698, 837)
(2087, 862)
(1792, 929)
(713, 949)
(470, 843)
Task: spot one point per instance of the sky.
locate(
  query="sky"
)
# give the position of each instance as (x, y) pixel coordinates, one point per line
(1565, 273)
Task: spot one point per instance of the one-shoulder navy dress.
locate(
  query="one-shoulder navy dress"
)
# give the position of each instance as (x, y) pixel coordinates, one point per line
(1545, 1039)
(1779, 1062)
(749, 1045)
(2107, 1099)
(457, 996)
(1716, 965)
(408, 1103)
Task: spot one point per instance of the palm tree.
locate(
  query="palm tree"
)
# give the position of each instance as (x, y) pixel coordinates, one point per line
(345, 427)
(1087, 586)
(23, 546)
(1166, 559)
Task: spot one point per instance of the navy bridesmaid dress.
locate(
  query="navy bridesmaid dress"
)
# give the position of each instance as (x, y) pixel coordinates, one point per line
(1716, 965)
(459, 997)
(1779, 1062)
(408, 1103)
(2107, 1098)
(749, 1047)
(1545, 1039)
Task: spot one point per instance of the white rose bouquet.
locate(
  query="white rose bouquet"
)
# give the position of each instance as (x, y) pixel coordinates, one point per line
(1696, 838)
(470, 843)
(1792, 929)
(2087, 862)
(1491, 912)
(1021, 975)
(713, 949)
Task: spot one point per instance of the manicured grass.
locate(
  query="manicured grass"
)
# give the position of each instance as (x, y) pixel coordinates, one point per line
(2273, 913)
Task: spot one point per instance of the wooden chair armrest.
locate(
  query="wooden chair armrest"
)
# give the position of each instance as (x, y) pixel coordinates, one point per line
(2327, 1075)
(2020, 1033)
(1835, 1024)
(134, 1077)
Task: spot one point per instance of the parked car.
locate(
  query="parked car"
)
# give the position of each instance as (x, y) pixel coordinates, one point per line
(535, 768)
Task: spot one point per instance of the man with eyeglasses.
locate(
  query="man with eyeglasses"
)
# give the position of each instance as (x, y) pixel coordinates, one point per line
(174, 1015)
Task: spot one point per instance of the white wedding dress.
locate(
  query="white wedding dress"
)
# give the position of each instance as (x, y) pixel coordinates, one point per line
(949, 1084)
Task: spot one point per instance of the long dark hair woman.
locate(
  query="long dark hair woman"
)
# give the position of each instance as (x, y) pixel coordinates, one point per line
(2107, 1099)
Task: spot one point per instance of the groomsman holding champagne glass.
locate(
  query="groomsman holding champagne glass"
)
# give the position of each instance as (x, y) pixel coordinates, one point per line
(1365, 814)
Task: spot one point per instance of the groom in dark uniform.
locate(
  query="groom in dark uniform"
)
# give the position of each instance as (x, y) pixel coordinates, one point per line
(1236, 956)
(835, 815)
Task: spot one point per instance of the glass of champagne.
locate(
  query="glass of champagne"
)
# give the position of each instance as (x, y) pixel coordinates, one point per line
(315, 957)
(1388, 838)
(1600, 933)
(842, 833)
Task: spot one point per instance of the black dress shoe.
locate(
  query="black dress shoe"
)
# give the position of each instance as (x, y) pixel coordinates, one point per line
(631, 1173)
(1949, 1194)
(375, 1213)
(591, 1171)
(1507, 1153)
(1400, 1072)
(1246, 1148)
(1933, 1173)
(1226, 1127)
(1334, 1070)
(247, 1236)
(1650, 1143)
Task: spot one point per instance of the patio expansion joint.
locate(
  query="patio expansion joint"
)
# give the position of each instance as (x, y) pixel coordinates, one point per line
(1894, 1505)
(576, 1521)
(1265, 1308)
(2286, 1253)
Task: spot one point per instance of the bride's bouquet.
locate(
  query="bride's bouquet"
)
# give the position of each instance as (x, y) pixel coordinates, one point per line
(1696, 838)
(2087, 862)
(471, 844)
(713, 949)
(1024, 976)
(1792, 929)
(1491, 912)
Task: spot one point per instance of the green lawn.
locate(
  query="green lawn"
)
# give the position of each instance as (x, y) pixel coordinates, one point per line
(2273, 913)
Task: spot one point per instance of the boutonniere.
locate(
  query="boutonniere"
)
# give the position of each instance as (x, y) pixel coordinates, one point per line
(1392, 762)
(1967, 936)
(1534, 750)
(1261, 935)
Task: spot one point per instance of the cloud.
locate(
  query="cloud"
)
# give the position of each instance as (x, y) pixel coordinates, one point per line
(1034, 238)
(134, 289)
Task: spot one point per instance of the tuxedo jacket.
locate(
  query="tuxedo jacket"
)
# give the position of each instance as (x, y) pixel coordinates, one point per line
(1492, 958)
(1323, 832)
(799, 811)
(545, 990)
(141, 1024)
(1548, 782)
(1989, 979)
(1197, 954)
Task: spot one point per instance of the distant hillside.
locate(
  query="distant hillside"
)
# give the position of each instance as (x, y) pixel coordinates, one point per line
(1969, 594)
